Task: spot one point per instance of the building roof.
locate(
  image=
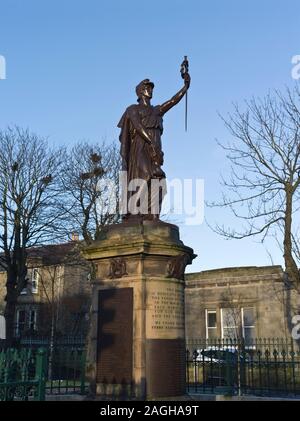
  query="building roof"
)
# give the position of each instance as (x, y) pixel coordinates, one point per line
(51, 254)
(235, 269)
(231, 274)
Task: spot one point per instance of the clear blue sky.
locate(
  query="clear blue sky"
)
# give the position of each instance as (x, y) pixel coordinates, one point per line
(72, 66)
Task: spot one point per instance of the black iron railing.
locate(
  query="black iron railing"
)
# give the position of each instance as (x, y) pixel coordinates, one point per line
(265, 367)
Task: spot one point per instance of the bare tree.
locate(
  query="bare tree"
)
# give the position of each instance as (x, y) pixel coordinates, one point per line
(91, 183)
(29, 215)
(90, 180)
(63, 299)
(232, 304)
(263, 189)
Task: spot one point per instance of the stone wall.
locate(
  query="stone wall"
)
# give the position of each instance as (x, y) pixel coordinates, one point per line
(260, 288)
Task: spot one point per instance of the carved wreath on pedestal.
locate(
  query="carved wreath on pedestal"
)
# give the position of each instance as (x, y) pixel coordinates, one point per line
(176, 266)
(117, 268)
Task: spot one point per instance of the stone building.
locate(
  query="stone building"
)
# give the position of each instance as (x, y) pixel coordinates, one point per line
(57, 295)
(249, 302)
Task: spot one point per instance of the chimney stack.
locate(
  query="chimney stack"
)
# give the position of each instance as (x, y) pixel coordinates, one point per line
(75, 236)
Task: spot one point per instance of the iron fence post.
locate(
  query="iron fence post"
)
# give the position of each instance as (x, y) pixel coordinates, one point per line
(242, 367)
(187, 376)
(41, 374)
(228, 375)
(82, 374)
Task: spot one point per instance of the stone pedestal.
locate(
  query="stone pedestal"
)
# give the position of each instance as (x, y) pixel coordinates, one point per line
(137, 338)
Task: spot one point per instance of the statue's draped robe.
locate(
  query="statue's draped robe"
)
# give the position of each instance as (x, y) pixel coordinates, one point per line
(135, 151)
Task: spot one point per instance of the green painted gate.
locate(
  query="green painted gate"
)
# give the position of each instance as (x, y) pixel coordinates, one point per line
(22, 374)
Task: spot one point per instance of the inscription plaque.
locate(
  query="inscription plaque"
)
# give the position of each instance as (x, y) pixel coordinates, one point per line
(165, 311)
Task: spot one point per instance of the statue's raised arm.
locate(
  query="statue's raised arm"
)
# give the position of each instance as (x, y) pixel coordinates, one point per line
(166, 106)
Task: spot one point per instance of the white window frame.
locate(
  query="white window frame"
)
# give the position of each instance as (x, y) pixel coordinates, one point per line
(207, 311)
(243, 325)
(18, 321)
(35, 280)
(2, 327)
(35, 318)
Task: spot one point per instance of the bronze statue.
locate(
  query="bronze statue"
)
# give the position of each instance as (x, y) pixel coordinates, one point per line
(141, 151)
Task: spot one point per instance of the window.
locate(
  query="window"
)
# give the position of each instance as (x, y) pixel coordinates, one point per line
(248, 319)
(238, 322)
(230, 323)
(32, 320)
(21, 320)
(211, 324)
(26, 320)
(34, 281)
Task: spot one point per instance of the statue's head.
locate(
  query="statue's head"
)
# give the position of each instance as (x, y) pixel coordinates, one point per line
(144, 88)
